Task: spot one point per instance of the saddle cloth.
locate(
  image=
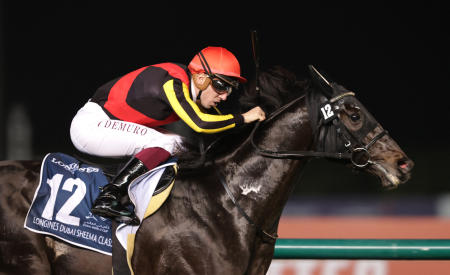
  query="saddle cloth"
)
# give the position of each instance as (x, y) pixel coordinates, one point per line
(66, 192)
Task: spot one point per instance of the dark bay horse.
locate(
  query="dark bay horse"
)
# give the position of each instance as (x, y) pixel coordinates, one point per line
(222, 216)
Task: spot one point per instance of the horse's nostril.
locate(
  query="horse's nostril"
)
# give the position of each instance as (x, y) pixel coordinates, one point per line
(404, 164)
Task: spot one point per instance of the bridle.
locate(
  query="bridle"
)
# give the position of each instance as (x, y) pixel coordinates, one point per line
(354, 153)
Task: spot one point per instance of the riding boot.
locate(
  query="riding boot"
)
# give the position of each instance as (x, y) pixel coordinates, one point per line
(108, 204)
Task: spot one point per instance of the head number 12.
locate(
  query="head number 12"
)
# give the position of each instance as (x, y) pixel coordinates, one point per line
(326, 111)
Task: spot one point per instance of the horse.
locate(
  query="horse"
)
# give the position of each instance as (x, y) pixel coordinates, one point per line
(223, 212)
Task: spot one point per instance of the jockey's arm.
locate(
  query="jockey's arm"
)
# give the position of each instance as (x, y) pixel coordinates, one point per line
(177, 94)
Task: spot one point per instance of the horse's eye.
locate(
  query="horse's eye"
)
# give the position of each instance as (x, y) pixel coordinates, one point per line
(355, 117)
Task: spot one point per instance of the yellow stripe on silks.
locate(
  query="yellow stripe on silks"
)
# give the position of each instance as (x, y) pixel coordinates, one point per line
(157, 200)
(170, 93)
(130, 249)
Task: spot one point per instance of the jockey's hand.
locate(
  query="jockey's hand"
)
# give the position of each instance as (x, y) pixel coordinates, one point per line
(254, 114)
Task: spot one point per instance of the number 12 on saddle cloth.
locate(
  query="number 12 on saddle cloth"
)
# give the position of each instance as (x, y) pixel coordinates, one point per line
(65, 194)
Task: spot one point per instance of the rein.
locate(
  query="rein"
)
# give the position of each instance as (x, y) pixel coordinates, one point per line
(352, 155)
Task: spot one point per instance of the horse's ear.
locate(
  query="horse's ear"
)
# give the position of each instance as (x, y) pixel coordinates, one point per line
(321, 81)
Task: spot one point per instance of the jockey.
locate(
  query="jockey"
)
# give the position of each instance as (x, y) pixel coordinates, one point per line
(122, 117)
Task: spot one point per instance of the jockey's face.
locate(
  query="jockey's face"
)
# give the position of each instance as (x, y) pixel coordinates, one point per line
(210, 97)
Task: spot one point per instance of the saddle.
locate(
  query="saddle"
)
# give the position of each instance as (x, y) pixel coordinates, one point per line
(112, 166)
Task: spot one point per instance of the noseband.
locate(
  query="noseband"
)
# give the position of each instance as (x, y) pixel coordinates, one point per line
(359, 156)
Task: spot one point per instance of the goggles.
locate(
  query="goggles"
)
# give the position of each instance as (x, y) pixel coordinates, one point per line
(221, 83)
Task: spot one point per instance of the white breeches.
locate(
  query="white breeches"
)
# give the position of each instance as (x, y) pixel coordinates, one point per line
(93, 132)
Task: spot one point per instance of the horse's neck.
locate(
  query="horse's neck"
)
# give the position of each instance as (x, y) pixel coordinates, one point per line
(263, 184)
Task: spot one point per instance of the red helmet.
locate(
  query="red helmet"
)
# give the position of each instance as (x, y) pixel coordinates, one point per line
(218, 61)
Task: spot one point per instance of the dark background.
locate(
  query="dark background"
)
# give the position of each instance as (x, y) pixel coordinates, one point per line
(394, 56)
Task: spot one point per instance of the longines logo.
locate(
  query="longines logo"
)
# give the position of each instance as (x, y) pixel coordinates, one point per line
(75, 167)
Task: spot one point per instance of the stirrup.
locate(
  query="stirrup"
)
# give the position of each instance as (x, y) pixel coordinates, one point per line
(121, 217)
(129, 220)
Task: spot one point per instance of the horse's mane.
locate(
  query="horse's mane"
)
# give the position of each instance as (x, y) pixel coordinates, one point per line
(277, 87)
